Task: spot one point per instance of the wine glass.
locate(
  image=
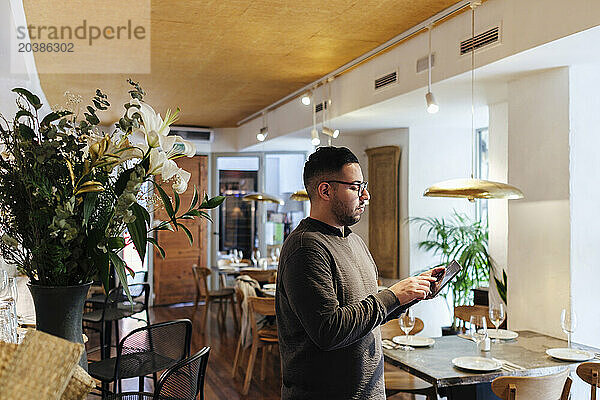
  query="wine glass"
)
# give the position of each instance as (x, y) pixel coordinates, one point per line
(478, 328)
(497, 316)
(568, 322)
(407, 323)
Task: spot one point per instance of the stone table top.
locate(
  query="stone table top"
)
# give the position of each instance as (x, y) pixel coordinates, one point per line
(434, 364)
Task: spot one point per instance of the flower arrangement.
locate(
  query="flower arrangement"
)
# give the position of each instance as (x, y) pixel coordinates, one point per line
(68, 190)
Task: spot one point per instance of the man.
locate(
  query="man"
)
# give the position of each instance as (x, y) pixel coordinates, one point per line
(328, 308)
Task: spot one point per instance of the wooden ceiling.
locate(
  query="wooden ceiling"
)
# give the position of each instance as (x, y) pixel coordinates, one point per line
(220, 61)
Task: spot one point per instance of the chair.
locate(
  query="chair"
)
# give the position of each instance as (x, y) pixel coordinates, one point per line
(117, 306)
(397, 380)
(265, 276)
(588, 372)
(464, 313)
(99, 297)
(531, 387)
(145, 351)
(261, 338)
(200, 277)
(183, 381)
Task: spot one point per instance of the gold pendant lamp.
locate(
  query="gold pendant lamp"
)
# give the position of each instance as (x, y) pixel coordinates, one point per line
(299, 195)
(471, 188)
(263, 197)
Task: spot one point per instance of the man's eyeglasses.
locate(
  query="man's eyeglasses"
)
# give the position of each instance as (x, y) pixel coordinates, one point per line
(362, 186)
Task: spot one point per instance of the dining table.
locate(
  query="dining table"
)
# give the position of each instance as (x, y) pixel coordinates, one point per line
(524, 356)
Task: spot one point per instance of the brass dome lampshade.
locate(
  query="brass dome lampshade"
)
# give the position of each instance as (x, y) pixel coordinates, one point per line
(471, 188)
(299, 195)
(263, 197)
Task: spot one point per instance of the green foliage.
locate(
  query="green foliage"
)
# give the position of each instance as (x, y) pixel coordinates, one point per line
(68, 191)
(461, 239)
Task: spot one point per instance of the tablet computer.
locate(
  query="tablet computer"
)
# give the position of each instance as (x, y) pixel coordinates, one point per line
(444, 278)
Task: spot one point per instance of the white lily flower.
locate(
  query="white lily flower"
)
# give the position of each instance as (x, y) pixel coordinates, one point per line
(157, 159)
(182, 147)
(182, 180)
(169, 169)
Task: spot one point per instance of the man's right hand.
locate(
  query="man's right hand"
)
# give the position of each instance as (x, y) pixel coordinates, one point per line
(412, 288)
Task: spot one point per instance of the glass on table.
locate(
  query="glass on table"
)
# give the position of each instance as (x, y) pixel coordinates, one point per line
(568, 323)
(407, 323)
(8, 326)
(478, 328)
(497, 316)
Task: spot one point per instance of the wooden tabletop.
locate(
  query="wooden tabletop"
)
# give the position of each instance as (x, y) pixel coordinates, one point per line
(434, 364)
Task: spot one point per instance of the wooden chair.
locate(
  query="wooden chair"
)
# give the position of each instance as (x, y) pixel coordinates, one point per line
(400, 381)
(464, 313)
(266, 276)
(261, 338)
(588, 372)
(200, 275)
(532, 387)
(240, 350)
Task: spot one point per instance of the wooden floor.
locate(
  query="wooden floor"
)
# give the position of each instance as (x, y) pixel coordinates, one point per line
(218, 384)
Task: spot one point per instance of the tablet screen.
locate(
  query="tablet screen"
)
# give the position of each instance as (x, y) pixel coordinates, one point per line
(451, 270)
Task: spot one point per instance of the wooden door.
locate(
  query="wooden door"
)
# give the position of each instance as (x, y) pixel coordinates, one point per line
(384, 209)
(173, 279)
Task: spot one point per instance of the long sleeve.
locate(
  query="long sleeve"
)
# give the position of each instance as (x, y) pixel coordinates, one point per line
(309, 284)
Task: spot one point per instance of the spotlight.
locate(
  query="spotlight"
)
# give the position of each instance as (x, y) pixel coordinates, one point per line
(305, 100)
(432, 106)
(315, 137)
(330, 132)
(262, 135)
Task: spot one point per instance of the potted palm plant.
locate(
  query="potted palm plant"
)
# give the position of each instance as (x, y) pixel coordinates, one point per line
(68, 191)
(464, 240)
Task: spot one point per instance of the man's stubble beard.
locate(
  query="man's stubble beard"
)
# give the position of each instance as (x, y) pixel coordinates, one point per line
(343, 214)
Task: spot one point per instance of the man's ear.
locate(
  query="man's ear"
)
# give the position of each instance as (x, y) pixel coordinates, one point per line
(324, 191)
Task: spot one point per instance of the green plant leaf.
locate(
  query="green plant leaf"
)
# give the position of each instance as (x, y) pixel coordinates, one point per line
(215, 202)
(115, 243)
(119, 265)
(23, 113)
(188, 233)
(26, 132)
(166, 202)
(31, 98)
(194, 198)
(89, 204)
(177, 202)
(157, 246)
(102, 263)
(138, 229)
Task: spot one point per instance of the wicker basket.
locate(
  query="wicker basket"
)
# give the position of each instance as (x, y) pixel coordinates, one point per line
(42, 367)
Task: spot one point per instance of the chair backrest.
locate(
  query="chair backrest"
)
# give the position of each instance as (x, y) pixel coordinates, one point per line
(530, 387)
(464, 313)
(200, 277)
(392, 328)
(239, 297)
(589, 372)
(265, 276)
(184, 380)
(259, 305)
(168, 341)
(140, 294)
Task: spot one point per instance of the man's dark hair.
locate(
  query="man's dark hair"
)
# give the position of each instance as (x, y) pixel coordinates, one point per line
(323, 164)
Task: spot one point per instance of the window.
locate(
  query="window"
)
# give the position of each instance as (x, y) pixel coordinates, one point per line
(482, 168)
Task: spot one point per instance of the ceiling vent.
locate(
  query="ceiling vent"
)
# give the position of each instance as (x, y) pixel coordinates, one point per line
(422, 63)
(195, 133)
(386, 80)
(486, 38)
(319, 107)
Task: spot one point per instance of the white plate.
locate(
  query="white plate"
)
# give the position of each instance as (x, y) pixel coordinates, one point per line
(237, 265)
(414, 341)
(269, 286)
(567, 354)
(477, 364)
(503, 334)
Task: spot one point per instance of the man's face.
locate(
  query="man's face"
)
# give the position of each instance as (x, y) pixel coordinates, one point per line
(347, 204)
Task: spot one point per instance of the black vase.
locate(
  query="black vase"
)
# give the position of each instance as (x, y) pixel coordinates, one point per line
(58, 311)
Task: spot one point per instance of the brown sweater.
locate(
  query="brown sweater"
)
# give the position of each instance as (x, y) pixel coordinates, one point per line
(328, 315)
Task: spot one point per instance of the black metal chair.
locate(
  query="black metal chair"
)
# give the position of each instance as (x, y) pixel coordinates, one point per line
(117, 306)
(183, 381)
(144, 351)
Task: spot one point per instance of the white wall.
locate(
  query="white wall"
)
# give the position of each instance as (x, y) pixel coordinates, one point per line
(538, 226)
(498, 209)
(585, 203)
